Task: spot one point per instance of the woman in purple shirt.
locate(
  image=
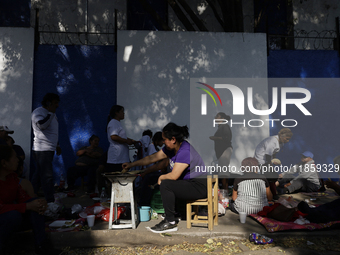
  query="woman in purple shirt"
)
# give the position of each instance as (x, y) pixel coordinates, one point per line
(186, 181)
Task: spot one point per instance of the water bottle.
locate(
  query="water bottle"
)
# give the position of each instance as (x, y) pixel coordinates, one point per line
(103, 196)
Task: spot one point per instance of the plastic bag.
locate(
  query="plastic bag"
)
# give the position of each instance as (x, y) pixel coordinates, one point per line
(102, 212)
(288, 202)
(259, 239)
(77, 208)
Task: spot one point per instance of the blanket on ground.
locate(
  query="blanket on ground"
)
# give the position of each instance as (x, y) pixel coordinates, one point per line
(274, 225)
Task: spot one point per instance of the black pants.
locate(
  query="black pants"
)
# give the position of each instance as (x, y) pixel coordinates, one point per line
(181, 189)
(12, 221)
(325, 213)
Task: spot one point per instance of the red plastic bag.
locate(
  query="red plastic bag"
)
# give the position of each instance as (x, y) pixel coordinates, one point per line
(104, 214)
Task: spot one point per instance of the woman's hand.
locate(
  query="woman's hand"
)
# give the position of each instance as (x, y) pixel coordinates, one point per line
(126, 166)
(286, 185)
(37, 205)
(130, 141)
(331, 184)
(43, 206)
(160, 178)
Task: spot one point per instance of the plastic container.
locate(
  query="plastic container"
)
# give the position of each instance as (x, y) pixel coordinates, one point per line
(156, 201)
(223, 198)
(145, 213)
(243, 217)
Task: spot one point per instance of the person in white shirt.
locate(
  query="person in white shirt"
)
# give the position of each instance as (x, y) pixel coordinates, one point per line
(45, 143)
(118, 152)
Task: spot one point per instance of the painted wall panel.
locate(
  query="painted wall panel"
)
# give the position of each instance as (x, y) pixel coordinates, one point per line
(16, 81)
(85, 79)
(317, 133)
(154, 71)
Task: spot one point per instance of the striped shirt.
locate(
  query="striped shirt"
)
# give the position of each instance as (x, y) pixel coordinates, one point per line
(251, 193)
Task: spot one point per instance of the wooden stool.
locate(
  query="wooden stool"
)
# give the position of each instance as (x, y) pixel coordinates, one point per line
(211, 202)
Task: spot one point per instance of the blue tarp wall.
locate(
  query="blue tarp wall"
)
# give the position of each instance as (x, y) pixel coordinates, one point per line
(317, 133)
(85, 79)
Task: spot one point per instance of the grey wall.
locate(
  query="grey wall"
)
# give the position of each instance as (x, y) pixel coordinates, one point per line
(16, 80)
(154, 71)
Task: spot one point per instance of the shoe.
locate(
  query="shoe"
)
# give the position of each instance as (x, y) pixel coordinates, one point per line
(177, 217)
(164, 226)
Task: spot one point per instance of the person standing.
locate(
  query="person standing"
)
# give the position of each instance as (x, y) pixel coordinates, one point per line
(45, 143)
(118, 152)
(223, 148)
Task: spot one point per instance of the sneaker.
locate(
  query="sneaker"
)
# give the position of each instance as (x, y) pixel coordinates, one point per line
(164, 226)
(177, 217)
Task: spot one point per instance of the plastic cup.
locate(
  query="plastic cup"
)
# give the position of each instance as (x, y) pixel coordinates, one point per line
(90, 220)
(224, 197)
(243, 217)
(223, 194)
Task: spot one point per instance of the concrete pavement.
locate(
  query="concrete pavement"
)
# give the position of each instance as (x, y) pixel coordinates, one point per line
(229, 226)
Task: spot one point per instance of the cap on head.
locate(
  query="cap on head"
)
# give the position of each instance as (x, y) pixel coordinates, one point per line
(5, 128)
(307, 154)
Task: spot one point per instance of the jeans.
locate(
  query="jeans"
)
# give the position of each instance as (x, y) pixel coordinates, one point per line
(13, 221)
(43, 174)
(298, 185)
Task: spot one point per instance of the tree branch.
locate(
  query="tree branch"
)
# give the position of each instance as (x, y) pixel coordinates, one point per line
(181, 16)
(193, 16)
(216, 13)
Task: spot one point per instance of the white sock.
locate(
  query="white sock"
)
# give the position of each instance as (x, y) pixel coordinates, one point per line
(172, 222)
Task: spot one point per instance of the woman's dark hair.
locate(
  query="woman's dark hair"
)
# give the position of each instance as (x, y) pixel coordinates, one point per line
(92, 138)
(147, 132)
(157, 137)
(20, 167)
(6, 152)
(250, 164)
(48, 98)
(114, 109)
(10, 138)
(172, 130)
(224, 116)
